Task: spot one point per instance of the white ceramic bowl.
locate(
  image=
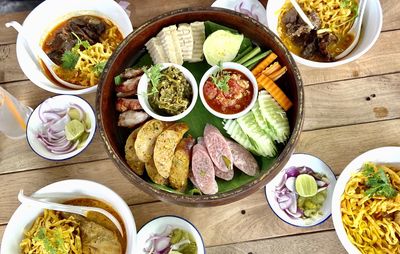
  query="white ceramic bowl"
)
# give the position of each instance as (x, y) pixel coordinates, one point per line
(25, 215)
(233, 66)
(370, 30)
(382, 155)
(255, 5)
(158, 225)
(45, 17)
(35, 124)
(142, 94)
(317, 165)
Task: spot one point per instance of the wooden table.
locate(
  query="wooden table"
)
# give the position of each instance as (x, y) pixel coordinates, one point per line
(349, 110)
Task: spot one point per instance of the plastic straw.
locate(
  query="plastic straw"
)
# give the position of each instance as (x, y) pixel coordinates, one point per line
(14, 111)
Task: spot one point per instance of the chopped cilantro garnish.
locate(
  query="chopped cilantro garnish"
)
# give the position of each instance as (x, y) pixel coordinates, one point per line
(98, 68)
(378, 182)
(118, 80)
(69, 59)
(220, 78)
(154, 75)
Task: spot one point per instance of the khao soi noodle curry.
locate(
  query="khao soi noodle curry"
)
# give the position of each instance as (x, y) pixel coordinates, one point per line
(370, 207)
(81, 46)
(65, 233)
(332, 20)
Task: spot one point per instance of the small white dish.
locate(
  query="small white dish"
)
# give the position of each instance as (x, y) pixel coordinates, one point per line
(370, 30)
(233, 66)
(40, 21)
(62, 191)
(317, 165)
(158, 225)
(382, 155)
(254, 6)
(35, 124)
(142, 94)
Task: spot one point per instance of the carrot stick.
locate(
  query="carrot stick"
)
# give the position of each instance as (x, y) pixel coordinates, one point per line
(260, 79)
(277, 74)
(271, 69)
(264, 63)
(276, 93)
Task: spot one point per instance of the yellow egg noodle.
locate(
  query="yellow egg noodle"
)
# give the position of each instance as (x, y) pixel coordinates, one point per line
(84, 72)
(337, 16)
(369, 221)
(51, 233)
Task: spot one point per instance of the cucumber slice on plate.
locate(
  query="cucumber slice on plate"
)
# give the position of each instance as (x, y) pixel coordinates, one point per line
(264, 125)
(236, 133)
(275, 116)
(263, 144)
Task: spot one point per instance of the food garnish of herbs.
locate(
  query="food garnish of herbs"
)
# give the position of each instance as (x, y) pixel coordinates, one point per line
(228, 91)
(63, 129)
(302, 192)
(370, 208)
(169, 92)
(171, 241)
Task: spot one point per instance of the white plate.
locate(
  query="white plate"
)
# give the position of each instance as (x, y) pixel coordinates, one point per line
(317, 165)
(35, 124)
(230, 5)
(386, 155)
(158, 225)
(371, 28)
(61, 191)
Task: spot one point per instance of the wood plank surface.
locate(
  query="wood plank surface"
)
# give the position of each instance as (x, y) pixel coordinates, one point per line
(318, 243)
(327, 105)
(352, 101)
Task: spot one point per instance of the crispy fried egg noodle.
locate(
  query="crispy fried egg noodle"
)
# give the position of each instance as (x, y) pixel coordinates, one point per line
(51, 233)
(370, 222)
(337, 16)
(85, 72)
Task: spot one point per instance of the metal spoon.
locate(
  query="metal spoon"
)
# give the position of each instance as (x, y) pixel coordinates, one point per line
(303, 16)
(39, 52)
(355, 30)
(81, 210)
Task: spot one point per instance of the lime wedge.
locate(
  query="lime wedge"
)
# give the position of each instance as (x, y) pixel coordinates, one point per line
(82, 139)
(306, 186)
(74, 114)
(74, 129)
(88, 123)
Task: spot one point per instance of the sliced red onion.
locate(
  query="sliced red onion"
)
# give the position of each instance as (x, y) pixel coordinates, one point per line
(124, 5)
(60, 124)
(290, 184)
(286, 204)
(322, 188)
(162, 243)
(282, 182)
(72, 148)
(292, 171)
(296, 215)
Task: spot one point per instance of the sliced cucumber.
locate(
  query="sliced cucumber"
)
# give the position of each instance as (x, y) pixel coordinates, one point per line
(275, 116)
(236, 133)
(263, 144)
(262, 122)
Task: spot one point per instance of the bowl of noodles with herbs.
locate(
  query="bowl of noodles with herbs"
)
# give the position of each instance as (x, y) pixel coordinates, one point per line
(333, 20)
(79, 36)
(366, 203)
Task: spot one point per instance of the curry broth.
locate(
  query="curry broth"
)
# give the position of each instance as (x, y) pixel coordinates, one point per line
(100, 218)
(335, 48)
(51, 36)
